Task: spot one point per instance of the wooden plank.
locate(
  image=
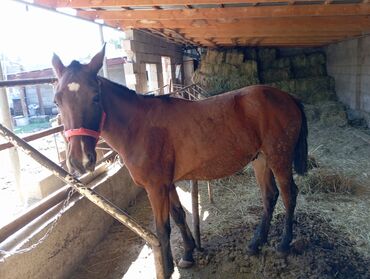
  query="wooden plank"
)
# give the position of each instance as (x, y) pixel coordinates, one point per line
(284, 28)
(148, 3)
(243, 41)
(314, 22)
(232, 12)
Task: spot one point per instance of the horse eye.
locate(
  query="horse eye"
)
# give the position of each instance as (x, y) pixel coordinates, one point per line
(96, 99)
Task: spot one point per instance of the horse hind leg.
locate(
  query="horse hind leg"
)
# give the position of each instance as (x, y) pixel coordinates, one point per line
(270, 194)
(289, 192)
(179, 216)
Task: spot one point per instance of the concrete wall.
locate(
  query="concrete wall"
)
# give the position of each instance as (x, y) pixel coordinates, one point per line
(143, 48)
(75, 234)
(349, 63)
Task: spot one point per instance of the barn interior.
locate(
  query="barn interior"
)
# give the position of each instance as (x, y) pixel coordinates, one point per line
(318, 51)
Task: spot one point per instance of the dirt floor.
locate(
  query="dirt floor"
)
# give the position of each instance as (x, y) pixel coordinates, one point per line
(331, 229)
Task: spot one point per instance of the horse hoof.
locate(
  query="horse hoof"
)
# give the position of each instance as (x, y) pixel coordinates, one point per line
(282, 252)
(199, 249)
(185, 264)
(252, 251)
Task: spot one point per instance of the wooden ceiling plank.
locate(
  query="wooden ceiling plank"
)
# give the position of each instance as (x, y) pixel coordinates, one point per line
(138, 3)
(234, 13)
(261, 33)
(331, 22)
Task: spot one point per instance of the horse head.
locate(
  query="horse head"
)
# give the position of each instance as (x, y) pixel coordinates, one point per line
(78, 97)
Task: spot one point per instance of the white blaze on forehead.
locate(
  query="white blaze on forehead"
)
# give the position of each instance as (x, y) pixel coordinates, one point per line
(85, 159)
(73, 86)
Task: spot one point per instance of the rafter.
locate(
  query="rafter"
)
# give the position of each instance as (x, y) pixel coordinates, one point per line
(129, 3)
(326, 23)
(233, 13)
(266, 33)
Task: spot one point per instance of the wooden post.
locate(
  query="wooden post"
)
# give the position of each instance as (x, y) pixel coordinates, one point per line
(91, 195)
(39, 98)
(6, 119)
(195, 209)
(22, 94)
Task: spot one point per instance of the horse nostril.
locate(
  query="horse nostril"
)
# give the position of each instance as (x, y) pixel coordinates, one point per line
(91, 157)
(90, 164)
(75, 165)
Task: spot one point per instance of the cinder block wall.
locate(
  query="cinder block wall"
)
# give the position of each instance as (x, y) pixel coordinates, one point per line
(143, 48)
(349, 63)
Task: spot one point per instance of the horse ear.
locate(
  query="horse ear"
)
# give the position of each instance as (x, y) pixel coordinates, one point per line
(57, 65)
(97, 61)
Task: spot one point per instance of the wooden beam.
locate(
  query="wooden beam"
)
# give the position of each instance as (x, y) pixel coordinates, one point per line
(242, 41)
(233, 12)
(129, 3)
(353, 22)
(275, 38)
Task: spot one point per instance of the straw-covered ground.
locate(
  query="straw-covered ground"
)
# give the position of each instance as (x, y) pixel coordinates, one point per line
(331, 229)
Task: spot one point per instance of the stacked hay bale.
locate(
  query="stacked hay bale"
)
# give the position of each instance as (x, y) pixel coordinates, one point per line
(303, 75)
(225, 70)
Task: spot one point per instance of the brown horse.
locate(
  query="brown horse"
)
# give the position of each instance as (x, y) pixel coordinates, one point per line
(163, 140)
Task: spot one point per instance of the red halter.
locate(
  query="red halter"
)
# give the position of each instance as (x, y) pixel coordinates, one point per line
(86, 132)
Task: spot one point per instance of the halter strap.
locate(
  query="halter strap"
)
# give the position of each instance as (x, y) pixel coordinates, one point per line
(86, 132)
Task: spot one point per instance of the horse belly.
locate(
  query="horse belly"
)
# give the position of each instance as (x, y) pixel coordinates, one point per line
(224, 164)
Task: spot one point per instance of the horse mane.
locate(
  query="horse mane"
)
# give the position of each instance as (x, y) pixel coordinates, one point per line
(75, 66)
(122, 90)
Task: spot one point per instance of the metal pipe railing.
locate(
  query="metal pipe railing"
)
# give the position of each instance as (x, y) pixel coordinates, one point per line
(25, 82)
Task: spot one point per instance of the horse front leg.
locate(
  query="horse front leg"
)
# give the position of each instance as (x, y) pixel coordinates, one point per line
(179, 216)
(160, 202)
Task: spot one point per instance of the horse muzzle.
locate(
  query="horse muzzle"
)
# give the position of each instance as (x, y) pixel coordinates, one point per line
(81, 155)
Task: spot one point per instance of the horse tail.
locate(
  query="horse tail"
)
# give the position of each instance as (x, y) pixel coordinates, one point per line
(301, 149)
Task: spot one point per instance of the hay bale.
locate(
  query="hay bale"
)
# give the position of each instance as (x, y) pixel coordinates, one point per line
(311, 71)
(206, 68)
(317, 97)
(214, 56)
(285, 85)
(234, 57)
(328, 113)
(280, 63)
(333, 114)
(303, 60)
(249, 68)
(299, 61)
(250, 54)
(266, 56)
(271, 75)
(317, 58)
(309, 85)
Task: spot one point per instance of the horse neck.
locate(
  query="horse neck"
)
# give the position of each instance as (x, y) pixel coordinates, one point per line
(123, 112)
